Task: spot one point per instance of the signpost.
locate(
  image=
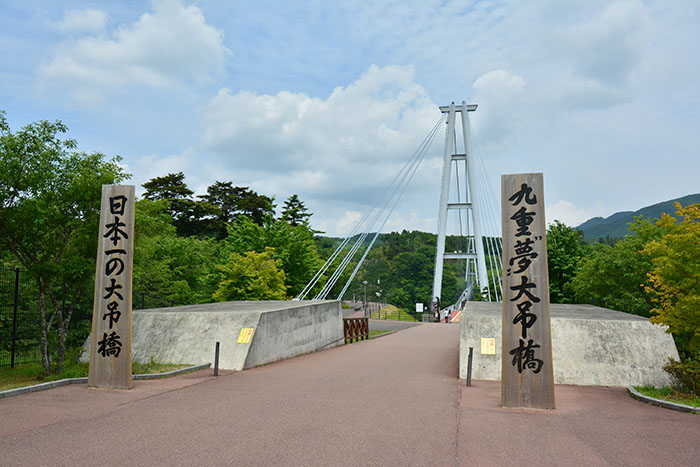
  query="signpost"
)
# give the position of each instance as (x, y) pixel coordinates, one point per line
(110, 344)
(527, 375)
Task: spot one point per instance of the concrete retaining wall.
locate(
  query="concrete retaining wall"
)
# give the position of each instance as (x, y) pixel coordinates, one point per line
(188, 334)
(590, 345)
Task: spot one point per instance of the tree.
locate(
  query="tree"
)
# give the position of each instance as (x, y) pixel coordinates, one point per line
(49, 215)
(615, 276)
(564, 251)
(294, 247)
(168, 266)
(190, 217)
(674, 281)
(233, 202)
(252, 276)
(294, 212)
(170, 186)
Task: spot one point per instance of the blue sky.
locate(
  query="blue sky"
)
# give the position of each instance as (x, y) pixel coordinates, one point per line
(328, 99)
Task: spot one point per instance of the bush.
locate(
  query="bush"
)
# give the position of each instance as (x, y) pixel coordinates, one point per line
(685, 374)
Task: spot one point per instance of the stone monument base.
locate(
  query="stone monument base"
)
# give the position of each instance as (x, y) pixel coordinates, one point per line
(188, 334)
(590, 345)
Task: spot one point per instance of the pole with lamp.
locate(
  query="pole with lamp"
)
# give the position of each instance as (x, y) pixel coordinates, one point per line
(364, 283)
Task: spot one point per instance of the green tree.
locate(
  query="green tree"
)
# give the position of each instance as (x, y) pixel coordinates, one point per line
(179, 269)
(49, 213)
(170, 186)
(616, 276)
(190, 217)
(252, 276)
(233, 202)
(294, 212)
(293, 246)
(564, 251)
(674, 281)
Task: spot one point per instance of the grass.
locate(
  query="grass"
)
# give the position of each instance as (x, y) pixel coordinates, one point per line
(377, 332)
(372, 333)
(669, 394)
(392, 313)
(28, 374)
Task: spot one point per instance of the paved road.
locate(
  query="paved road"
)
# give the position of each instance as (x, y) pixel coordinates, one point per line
(389, 325)
(394, 400)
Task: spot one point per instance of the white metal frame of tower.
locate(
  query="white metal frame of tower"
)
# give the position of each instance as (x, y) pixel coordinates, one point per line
(470, 204)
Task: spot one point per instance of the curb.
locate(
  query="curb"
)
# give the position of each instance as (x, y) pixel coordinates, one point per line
(662, 403)
(383, 334)
(66, 381)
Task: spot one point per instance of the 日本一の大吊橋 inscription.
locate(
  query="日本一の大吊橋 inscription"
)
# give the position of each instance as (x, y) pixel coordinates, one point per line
(527, 376)
(110, 345)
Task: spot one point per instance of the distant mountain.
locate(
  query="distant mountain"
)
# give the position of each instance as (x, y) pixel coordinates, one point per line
(615, 226)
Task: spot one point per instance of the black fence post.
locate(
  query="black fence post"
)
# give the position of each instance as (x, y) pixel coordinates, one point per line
(143, 300)
(14, 319)
(469, 366)
(216, 360)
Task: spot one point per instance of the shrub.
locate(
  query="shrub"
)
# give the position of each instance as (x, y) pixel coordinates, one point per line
(685, 374)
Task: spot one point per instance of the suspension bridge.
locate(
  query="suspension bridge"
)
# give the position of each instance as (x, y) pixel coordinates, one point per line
(468, 213)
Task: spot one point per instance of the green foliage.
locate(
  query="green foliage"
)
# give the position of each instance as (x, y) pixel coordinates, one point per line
(253, 276)
(293, 246)
(615, 276)
(190, 217)
(49, 213)
(674, 281)
(208, 217)
(294, 212)
(179, 269)
(686, 375)
(666, 393)
(233, 203)
(616, 227)
(564, 252)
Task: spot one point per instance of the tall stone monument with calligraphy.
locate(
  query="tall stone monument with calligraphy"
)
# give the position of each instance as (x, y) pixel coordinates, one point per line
(527, 375)
(110, 345)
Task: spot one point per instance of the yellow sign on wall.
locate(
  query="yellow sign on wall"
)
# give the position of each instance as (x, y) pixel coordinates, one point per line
(245, 336)
(488, 346)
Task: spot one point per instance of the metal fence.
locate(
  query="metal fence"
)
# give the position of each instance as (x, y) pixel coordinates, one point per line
(20, 327)
(19, 318)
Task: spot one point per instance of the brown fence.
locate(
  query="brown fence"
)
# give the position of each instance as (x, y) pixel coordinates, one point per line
(356, 328)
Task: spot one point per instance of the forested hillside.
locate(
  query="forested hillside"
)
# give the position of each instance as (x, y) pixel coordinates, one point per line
(616, 225)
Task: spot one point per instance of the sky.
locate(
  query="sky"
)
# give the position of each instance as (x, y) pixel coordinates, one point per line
(328, 99)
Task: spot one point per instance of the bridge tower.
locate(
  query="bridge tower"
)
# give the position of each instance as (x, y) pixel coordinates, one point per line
(460, 199)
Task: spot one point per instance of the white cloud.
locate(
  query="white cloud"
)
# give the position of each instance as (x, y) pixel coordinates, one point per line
(163, 48)
(341, 226)
(608, 46)
(151, 165)
(348, 146)
(503, 99)
(89, 21)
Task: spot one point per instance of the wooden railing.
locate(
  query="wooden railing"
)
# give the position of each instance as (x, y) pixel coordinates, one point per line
(356, 328)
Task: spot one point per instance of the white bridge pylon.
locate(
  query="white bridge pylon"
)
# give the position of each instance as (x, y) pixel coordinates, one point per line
(461, 195)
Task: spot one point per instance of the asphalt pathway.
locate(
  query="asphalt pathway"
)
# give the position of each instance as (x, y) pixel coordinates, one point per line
(394, 400)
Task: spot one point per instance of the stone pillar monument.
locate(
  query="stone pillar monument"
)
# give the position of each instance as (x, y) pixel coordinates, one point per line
(110, 344)
(527, 375)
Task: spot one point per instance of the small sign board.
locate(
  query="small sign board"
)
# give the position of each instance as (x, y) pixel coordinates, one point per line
(488, 346)
(419, 308)
(245, 336)
(527, 375)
